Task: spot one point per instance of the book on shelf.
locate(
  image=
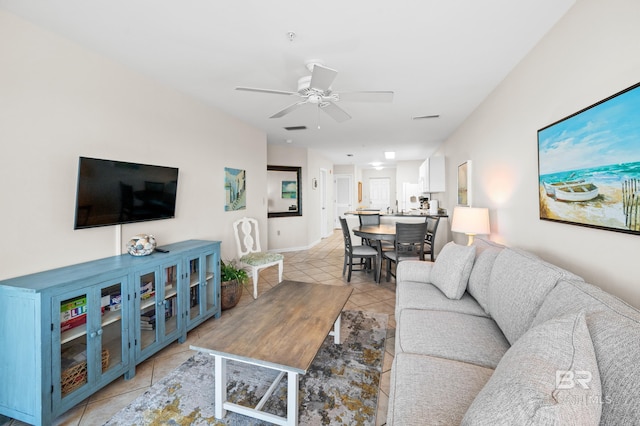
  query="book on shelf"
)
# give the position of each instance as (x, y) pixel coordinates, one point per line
(73, 308)
(171, 274)
(147, 290)
(73, 322)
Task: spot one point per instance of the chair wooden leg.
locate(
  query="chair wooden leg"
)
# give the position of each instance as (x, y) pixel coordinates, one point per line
(256, 273)
(350, 269)
(344, 266)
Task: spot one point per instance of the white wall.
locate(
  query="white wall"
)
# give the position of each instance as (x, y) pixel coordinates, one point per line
(58, 102)
(589, 55)
(315, 162)
(300, 232)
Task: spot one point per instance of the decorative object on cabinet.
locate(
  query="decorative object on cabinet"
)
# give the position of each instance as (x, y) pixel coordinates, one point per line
(588, 168)
(55, 364)
(235, 182)
(471, 221)
(232, 280)
(141, 245)
(464, 184)
(284, 184)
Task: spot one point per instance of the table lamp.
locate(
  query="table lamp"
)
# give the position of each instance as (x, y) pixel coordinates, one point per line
(471, 221)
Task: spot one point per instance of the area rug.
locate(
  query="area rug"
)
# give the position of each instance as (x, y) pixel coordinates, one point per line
(340, 388)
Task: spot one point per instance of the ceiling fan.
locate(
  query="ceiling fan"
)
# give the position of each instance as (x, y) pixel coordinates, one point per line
(315, 89)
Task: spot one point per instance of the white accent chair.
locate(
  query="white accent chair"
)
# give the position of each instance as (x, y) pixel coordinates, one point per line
(250, 256)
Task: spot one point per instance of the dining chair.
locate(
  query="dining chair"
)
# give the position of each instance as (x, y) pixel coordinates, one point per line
(369, 220)
(365, 253)
(250, 255)
(430, 236)
(409, 244)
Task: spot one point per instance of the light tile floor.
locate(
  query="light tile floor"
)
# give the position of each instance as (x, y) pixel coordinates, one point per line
(322, 264)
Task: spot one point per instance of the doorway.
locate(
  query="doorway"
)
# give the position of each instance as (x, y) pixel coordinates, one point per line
(323, 204)
(379, 193)
(344, 197)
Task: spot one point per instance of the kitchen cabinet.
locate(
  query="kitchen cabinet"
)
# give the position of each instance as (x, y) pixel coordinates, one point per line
(432, 174)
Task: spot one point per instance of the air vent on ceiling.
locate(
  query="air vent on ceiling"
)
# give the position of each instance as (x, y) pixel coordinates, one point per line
(296, 128)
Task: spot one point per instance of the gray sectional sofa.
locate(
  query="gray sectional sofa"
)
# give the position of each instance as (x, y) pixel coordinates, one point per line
(489, 335)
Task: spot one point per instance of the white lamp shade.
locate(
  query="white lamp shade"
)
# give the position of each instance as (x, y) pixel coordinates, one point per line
(471, 220)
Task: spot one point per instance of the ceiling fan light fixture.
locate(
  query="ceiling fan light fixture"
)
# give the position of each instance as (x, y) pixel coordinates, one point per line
(314, 98)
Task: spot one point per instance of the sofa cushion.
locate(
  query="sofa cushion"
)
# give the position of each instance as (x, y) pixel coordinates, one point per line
(429, 390)
(451, 335)
(615, 331)
(419, 295)
(518, 285)
(479, 279)
(528, 388)
(451, 270)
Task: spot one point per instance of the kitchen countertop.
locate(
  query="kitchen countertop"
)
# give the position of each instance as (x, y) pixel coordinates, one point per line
(399, 214)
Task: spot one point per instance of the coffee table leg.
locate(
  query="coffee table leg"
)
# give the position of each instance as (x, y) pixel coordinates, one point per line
(336, 330)
(220, 386)
(292, 398)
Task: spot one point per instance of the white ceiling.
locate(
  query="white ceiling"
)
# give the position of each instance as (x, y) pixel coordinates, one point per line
(439, 57)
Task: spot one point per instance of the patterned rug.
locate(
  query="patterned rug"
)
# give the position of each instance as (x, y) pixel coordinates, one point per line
(341, 387)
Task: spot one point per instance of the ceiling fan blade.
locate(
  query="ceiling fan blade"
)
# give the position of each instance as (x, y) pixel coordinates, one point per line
(288, 109)
(335, 112)
(322, 77)
(426, 116)
(368, 96)
(276, 92)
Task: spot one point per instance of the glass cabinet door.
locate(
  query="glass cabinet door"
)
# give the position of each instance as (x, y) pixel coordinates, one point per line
(92, 337)
(147, 296)
(112, 341)
(210, 275)
(203, 291)
(193, 275)
(170, 300)
(73, 348)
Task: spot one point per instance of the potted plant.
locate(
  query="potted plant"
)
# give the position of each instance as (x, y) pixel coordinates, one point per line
(232, 279)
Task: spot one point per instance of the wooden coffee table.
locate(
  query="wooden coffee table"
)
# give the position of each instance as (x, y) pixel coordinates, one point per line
(283, 330)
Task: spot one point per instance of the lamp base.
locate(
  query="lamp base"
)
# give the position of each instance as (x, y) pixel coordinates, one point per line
(470, 241)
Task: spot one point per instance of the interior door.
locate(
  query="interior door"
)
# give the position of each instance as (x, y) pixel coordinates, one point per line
(323, 204)
(344, 197)
(380, 193)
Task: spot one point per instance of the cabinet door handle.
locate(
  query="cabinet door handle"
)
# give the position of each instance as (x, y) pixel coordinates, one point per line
(100, 332)
(92, 335)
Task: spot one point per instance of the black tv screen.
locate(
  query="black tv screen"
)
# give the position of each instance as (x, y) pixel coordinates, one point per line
(115, 192)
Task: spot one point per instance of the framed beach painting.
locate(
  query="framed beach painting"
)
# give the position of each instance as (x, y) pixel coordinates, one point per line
(589, 165)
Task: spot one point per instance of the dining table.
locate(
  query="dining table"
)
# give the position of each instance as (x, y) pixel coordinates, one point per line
(378, 233)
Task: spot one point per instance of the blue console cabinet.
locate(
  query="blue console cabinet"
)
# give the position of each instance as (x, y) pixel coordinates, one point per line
(67, 332)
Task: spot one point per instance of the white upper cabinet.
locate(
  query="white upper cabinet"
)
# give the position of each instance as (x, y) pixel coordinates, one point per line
(432, 176)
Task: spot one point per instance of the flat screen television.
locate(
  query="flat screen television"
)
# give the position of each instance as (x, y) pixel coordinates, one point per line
(115, 192)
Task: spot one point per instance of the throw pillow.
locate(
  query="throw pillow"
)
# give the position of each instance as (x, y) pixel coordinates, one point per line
(480, 274)
(548, 377)
(451, 270)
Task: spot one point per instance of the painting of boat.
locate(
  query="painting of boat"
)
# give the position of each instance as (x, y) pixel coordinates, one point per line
(550, 188)
(577, 190)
